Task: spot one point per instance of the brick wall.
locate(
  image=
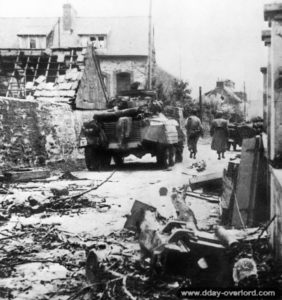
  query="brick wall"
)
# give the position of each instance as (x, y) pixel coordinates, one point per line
(37, 132)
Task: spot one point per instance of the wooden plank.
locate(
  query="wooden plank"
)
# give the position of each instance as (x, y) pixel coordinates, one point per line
(255, 179)
(214, 179)
(227, 191)
(245, 182)
(25, 175)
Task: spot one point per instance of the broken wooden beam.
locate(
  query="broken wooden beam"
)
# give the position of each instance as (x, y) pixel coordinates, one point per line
(25, 174)
(211, 199)
(207, 181)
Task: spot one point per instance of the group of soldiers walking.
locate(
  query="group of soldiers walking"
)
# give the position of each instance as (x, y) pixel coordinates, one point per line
(218, 131)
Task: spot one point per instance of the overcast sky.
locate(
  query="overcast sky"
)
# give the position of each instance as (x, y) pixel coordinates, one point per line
(199, 40)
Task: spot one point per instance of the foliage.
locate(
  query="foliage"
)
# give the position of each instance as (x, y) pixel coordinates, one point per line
(180, 93)
(161, 92)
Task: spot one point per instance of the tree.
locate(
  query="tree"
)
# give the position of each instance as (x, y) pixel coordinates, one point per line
(180, 93)
(160, 92)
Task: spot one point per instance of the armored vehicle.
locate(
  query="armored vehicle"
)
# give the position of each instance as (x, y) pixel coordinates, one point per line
(133, 124)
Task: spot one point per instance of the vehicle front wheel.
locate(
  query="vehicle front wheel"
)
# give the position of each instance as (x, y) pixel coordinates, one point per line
(163, 155)
(96, 160)
(118, 159)
(90, 158)
(179, 153)
(105, 160)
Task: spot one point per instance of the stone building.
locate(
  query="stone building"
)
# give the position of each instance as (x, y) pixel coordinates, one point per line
(42, 61)
(45, 46)
(272, 111)
(225, 97)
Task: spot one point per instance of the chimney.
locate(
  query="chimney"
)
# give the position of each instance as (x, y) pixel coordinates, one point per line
(69, 15)
(220, 84)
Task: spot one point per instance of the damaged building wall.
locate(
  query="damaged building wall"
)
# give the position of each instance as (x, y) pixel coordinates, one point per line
(273, 109)
(136, 69)
(38, 132)
(19, 132)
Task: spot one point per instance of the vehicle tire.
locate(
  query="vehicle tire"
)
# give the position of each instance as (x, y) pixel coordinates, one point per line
(118, 159)
(105, 160)
(163, 157)
(89, 156)
(178, 157)
(179, 153)
(92, 159)
(171, 156)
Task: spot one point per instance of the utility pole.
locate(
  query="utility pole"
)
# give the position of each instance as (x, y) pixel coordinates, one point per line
(150, 47)
(59, 32)
(245, 102)
(201, 104)
(180, 67)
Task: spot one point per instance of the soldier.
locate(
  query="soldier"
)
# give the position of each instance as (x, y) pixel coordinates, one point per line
(219, 133)
(194, 129)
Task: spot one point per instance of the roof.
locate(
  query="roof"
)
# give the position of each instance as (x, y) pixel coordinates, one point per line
(125, 35)
(10, 28)
(225, 91)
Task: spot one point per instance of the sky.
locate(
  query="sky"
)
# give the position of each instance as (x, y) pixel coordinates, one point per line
(199, 41)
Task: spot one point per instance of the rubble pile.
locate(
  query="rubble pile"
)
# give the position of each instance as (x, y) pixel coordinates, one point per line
(64, 200)
(40, 259)
(46, 250)
(62, 90)
(165, 246)
(61, 204)
(199, 166)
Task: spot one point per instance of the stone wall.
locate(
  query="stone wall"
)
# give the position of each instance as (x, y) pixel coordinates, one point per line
(136, 66)
(38, 132)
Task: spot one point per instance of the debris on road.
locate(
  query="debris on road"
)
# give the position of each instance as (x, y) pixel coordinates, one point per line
(25, 174)
(209, 182)
(200, 165)
(60, 192)
(69, 176)
(58, 200)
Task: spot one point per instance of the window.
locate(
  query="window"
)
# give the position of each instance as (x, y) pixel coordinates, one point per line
(32, 43)
(98, 41)
(101, 42)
